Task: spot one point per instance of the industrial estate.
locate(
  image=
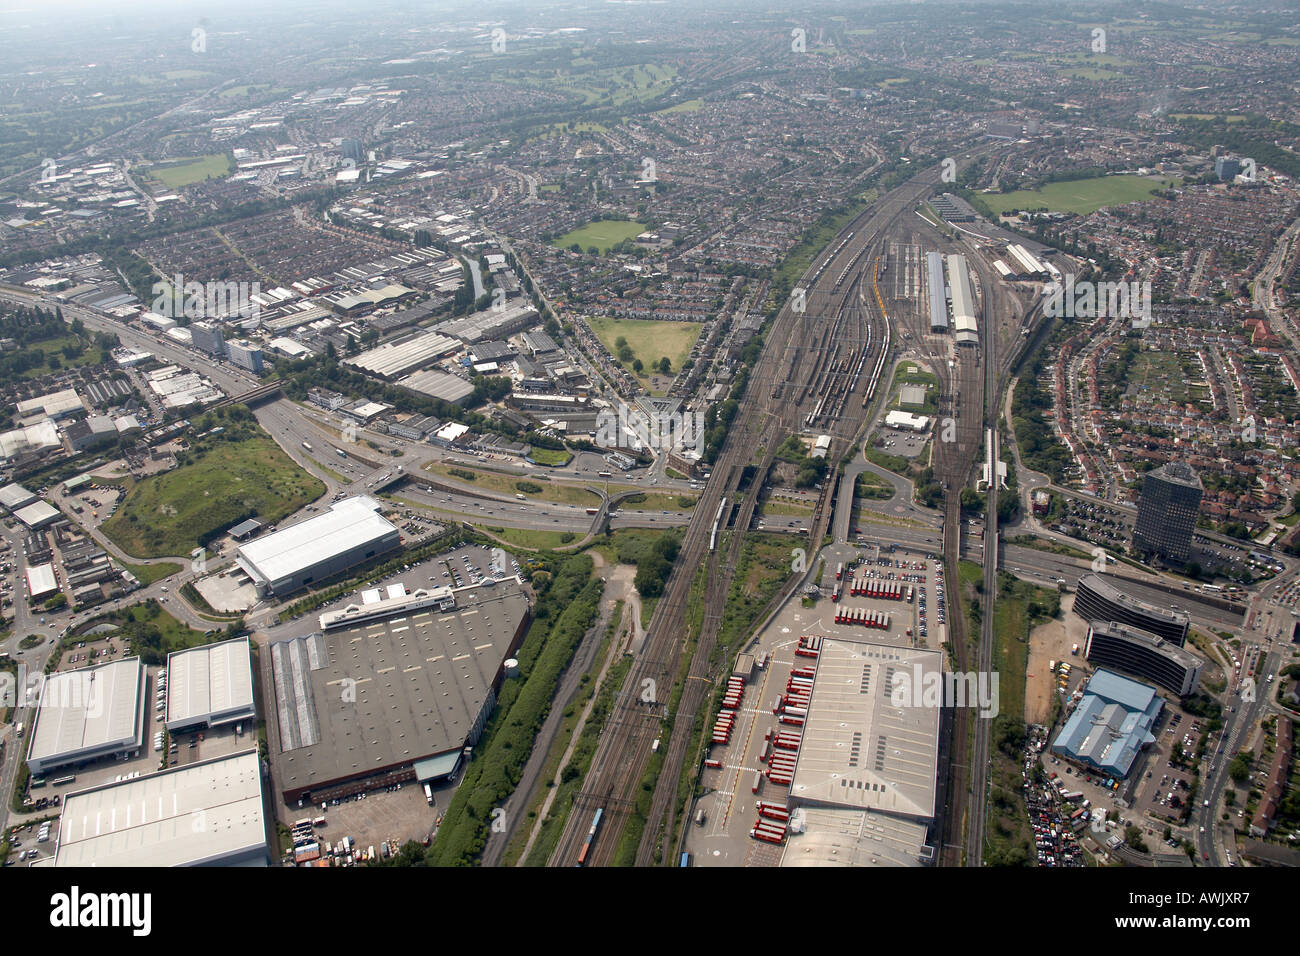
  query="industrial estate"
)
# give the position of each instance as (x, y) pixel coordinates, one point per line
(843, 436)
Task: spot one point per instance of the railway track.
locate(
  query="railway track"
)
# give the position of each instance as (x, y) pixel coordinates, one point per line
(803, 349)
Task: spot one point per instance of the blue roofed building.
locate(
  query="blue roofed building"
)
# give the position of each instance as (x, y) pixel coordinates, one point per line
(1111, 724)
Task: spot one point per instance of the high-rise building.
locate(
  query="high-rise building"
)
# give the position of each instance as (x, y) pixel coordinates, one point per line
(246, 356)
(207, 338)
(1167, 510)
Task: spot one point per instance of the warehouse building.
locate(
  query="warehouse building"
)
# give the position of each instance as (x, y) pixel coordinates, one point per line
(41, 581)
(87, 714)
(866, 774)
(208, 813)
(491, 323)
(1142, 654)
(13, 497)
(209, 686)
(351, 532)
(439, 385)
(395, 696)
(38, 514)
(938, 292)
(1099, 599)
(394, 359)
(1113, 722)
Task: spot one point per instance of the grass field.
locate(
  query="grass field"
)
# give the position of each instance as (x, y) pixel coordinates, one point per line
(604, 234)
(649, 340)
(508, 485)
(190, 171)
(688, 106)
(528, 538)
(147, 574)
(614, 86)
(1080, 196)
(168, 514)
(550, 456)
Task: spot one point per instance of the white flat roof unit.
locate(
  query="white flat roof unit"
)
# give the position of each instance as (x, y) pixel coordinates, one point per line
(901, 419)
(339, 537)
(209, 686)
(206, 813)
(861, 750)
(37, 514)
(835, 837)
(41, 580)
(88, 713)
(15, 496)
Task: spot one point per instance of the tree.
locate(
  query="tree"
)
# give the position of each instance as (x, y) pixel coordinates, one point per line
(665, 365)
(1239, 769)
(637, 366)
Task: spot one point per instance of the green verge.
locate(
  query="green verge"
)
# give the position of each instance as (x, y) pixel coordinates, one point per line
(495, 771)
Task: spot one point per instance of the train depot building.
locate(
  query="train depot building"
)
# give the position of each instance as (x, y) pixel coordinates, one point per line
(391, 690)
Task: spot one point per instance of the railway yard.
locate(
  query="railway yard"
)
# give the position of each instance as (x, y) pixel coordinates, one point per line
(821, 369)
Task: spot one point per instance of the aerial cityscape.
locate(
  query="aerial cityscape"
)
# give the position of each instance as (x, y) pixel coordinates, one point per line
(650, 434)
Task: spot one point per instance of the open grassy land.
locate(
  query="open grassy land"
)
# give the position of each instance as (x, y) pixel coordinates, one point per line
(529, 538)
(615, 86)
(688, 106)
(604, 234)
(190, 171)
(223, 479)
(510, 485)
(1019, 606)
(1080, 196)
(549, 456)
(147, 574)
(649, 340)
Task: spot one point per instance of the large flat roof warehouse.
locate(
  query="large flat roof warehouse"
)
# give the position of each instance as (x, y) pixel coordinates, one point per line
(207, 813)
(210, 685)
(366, 700)
(88, 713)
(860, 750)
(397, 358)
(15, 496)
(833, 837)
(349, 533)
(37, 514)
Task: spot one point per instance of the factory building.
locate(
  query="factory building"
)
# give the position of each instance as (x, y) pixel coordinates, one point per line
(87, 714)
(1099, 599)
(864, 785)
(209, 686)
(392, 692)
(1144, 655)
(207, 813)
(351, 532)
